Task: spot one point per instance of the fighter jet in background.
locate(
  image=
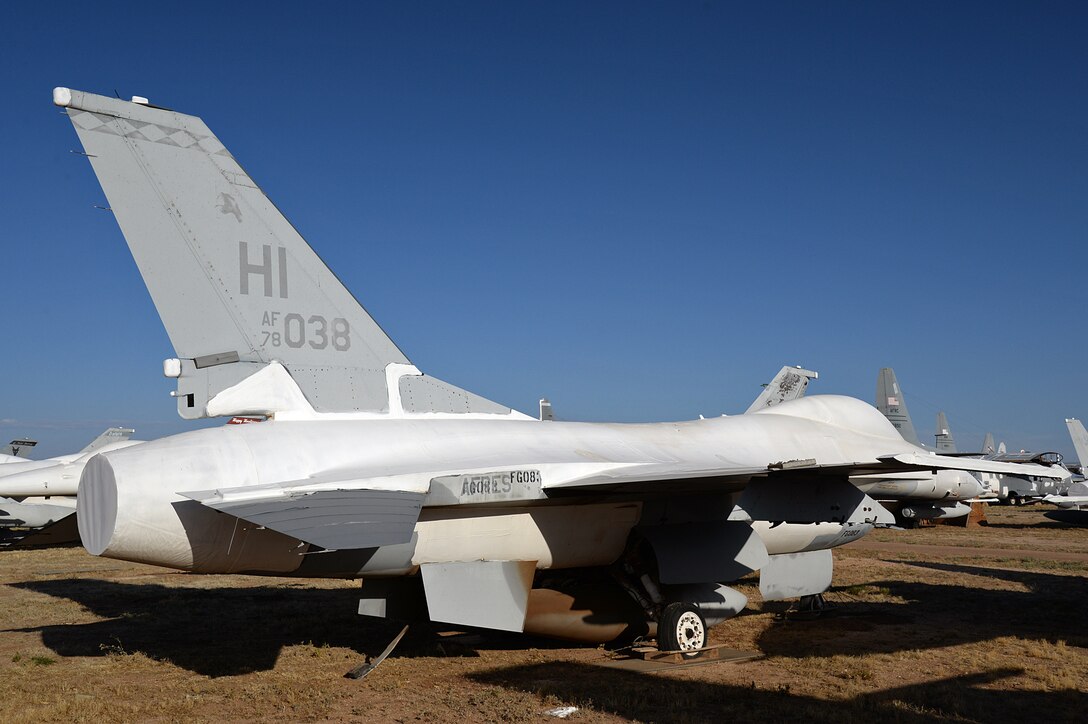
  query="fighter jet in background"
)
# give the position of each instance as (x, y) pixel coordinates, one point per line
(441, 500)
(38, 497)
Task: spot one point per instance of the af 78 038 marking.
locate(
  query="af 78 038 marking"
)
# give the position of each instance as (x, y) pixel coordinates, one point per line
(295, 330)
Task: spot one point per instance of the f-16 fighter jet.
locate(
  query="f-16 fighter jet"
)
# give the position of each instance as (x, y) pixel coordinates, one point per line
(445, 503)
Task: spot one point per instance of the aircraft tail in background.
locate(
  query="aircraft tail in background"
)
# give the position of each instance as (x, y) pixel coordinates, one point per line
(890, 402)
(111, 435)
(789, 384)
(1080, 440)
(945, 441)
(20, 446)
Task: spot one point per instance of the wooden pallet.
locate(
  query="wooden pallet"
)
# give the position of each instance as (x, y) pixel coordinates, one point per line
(650, 658)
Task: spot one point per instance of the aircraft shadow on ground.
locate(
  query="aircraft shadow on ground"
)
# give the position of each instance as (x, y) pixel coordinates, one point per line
(939, 614)
(651, 697)
(1049, 524)
(219, 631)
(232, 631)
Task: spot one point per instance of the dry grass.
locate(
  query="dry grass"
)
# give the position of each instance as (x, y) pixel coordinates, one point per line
(976, 636)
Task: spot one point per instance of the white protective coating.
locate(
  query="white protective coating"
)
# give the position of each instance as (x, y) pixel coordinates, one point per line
(924, 485)
(934, 512)
(797, 537)
(54, 476)
(567, 536)
(265, 392)
(171, 368)
(62, 97)
(149, 521)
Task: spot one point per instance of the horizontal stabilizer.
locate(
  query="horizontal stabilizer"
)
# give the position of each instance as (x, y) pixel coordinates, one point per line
(59, 532)
(488, 594)
(333, 519)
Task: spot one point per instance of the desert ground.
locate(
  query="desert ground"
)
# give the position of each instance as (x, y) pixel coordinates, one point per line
(936, 624)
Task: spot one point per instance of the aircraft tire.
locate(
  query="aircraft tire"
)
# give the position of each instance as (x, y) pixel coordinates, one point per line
(682, 628)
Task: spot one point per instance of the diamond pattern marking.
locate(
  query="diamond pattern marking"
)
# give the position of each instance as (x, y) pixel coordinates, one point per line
(151, 132)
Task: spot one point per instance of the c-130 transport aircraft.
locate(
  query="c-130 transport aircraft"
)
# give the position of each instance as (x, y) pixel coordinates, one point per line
(446, 504)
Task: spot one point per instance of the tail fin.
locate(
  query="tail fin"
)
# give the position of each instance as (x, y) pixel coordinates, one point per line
(1080, 439)
(235, 284)
(988, 447)
(889, 400)
(945, 441)
(20, 445)
(113, 434)
(789, 384)
(1001, 449)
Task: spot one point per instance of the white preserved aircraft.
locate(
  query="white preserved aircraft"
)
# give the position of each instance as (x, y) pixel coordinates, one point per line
(441, 500)
(38, 497)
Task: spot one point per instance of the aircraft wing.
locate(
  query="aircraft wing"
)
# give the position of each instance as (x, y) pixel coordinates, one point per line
(349, 510)
(948, 462)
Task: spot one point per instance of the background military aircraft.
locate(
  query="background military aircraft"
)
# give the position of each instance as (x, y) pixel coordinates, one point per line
(38, 497)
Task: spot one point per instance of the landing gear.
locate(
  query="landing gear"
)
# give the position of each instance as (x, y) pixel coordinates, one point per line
(811, 604)
(682, 628)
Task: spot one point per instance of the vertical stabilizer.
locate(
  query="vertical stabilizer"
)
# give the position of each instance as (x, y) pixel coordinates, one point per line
(111, 435)
(1080, 439)
(236, 286)
(945, 442)
(890, 402)
(789, 384)
(988, 446)
(21, 445)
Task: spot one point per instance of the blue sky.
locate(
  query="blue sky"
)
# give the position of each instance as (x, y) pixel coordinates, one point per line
(639, 210)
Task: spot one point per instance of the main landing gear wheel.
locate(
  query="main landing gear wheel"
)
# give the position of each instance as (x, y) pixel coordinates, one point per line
(682, 628)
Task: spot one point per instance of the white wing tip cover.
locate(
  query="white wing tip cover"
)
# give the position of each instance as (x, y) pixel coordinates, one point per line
(62, 97)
